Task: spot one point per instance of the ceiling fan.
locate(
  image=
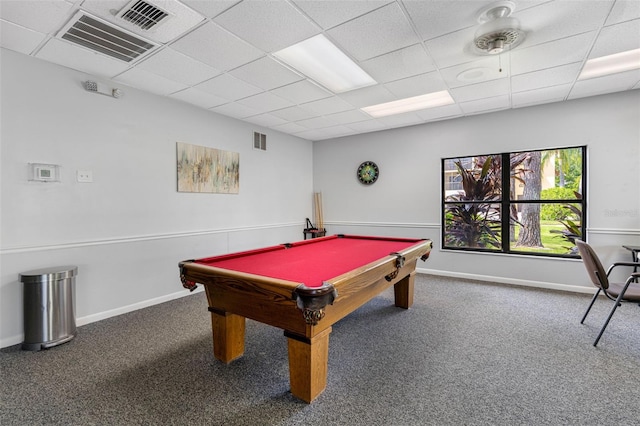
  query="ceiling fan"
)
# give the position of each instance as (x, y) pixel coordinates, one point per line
(497, 30)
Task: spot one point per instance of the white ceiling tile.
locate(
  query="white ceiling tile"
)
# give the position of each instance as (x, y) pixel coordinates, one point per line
(548, 55)
(235, 110)
(436, 18)
(71, 56)
(198, 97)
(558, 19)
(328, 106)
(624, 10)
(329, 13)
(485, 69)
(437, 113)
(617, 38)
(538, 96)
(228, 87)
(545, 78)
(347, 117)
(367, 96)
(417, 85)
(376, 33)
(407, 62)
(316, 122)
(325, 133)
(370, 125)
(301, 92)
(294, 113)
(312, 135)
(149, 82)
(269, 25)
(266, 120)
(266, 73)
(289, 127)
(485, 105)
(47, 19)
(210, 8)
(453, 48)
(19, 39)
(607, 84)
(176, 66)
(265, 102)
(481, 90)
(217, 47)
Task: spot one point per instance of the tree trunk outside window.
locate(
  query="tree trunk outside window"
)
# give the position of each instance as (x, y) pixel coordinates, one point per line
(530, 233)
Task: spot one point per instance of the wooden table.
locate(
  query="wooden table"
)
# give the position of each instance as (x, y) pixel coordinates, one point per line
(303, 288)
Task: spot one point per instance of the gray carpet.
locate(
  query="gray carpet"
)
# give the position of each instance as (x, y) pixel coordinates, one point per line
(466, 353)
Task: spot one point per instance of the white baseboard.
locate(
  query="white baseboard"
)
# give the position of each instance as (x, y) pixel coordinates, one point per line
(88, 319)
(513, 281)
(134, 307)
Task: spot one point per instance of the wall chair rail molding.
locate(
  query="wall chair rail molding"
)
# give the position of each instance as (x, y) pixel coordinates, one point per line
(141, 238)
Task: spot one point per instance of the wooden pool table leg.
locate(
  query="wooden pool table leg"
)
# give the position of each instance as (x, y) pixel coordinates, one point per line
(308, 359)
(228, 335)
(403, 291)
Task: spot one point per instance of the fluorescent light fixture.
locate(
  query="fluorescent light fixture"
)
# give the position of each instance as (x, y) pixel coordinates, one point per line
(415, 103)
(322, 61)
(612, 64)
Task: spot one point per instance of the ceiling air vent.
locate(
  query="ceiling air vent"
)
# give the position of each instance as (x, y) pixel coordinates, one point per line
(259, 141)
(142, 14)
(100, 36)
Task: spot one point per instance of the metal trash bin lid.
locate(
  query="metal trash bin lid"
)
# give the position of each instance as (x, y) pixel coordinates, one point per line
(55, 273)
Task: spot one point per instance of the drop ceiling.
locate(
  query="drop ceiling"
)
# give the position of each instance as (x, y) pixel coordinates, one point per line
(218, 55)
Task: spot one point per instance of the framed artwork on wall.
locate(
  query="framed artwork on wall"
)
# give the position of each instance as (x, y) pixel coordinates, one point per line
(203, 169)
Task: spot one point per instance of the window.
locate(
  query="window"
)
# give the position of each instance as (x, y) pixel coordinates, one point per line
(536, 205)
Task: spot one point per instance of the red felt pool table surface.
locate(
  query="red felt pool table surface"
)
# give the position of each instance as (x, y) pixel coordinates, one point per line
(310, 262)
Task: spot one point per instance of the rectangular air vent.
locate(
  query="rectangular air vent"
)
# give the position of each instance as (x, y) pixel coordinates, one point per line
(100, 36)
(143, 14)
(259, 141)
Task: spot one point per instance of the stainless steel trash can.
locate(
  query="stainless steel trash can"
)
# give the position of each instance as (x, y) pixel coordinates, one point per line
(49, 307)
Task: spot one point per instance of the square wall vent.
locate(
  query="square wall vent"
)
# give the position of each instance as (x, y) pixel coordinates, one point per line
(105, 38)
(259, 141)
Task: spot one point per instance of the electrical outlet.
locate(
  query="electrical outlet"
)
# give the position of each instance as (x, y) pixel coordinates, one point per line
(84, 176)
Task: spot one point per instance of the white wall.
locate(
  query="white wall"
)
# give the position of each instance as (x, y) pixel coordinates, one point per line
(128, 229)
(406, 200)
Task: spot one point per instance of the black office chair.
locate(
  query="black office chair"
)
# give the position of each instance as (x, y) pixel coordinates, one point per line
(629, 291)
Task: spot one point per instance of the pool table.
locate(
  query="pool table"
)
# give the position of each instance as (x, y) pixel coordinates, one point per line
(303, 288)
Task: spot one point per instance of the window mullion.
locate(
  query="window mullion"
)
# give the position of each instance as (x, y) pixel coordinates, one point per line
(505, 204)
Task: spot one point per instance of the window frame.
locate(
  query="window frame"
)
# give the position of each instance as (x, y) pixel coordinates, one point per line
(506, 203)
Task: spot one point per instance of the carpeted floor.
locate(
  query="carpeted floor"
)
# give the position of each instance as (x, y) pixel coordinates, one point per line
(466, 353)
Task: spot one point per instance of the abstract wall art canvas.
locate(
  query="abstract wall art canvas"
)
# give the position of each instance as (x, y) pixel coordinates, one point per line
(203, 169)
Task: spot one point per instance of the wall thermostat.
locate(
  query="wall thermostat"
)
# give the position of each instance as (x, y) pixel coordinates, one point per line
(44, 172)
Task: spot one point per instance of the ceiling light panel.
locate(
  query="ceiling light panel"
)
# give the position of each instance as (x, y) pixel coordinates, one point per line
(415, 103)
(611, 64)
(323, 62)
